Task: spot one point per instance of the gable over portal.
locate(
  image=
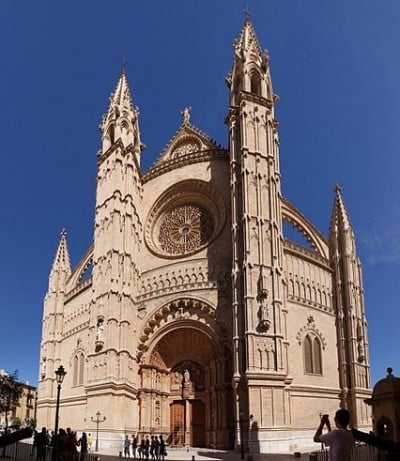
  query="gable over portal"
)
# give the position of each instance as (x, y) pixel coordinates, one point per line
(187, 140)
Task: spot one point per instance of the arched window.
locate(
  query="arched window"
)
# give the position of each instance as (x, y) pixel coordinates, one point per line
(308, 353)
(291, 287)
(76, 370)
(79, 369)
(317, 356)
(312, 355)
(255, 83)
(303, 291)
(110, 134)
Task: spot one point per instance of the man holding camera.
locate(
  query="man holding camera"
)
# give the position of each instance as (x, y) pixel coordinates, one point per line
(340, 440)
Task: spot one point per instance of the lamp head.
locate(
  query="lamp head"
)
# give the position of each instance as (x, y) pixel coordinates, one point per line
(60, 374)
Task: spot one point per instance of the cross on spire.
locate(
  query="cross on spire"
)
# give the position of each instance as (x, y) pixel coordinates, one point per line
(247, 12)
(123, 65)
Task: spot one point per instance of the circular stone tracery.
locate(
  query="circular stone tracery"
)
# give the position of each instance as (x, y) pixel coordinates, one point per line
(185, 219)
(185, 228)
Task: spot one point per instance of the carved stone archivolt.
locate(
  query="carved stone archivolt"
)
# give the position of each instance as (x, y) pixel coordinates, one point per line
(182, 346)
(189, 312)
(185, 219)
(310, 327)
(186, 145)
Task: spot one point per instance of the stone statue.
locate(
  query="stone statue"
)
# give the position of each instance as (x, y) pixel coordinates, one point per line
(100, 330)
(186, 376)
(186, 115)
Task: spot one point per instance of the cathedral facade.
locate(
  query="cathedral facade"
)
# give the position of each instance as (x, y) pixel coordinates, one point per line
(191, 315)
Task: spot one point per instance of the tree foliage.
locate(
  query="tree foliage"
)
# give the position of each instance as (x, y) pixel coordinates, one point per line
(16, 422)
(10, 391)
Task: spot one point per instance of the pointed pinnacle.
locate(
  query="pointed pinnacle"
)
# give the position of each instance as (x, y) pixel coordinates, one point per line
(339, 212)
(247, 38)
(123, 65)
(62, 254)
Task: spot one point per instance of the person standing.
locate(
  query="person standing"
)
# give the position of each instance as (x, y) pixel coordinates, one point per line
(41, 443)
(147, 447)
(156, 448)
(82, 442)
(340, 440)
(152, 446)
(161, 449)
(142, 449)
(127, 444)
(134, 445)
(90, 442)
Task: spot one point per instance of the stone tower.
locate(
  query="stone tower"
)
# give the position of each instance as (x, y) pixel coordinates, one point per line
(351, 323)
(260, 359)
(116, 255)
(53, 319)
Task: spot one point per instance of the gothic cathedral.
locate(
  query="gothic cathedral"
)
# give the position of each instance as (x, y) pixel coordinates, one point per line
(191, 315)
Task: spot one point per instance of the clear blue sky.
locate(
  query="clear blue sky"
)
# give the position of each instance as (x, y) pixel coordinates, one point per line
(335, 66)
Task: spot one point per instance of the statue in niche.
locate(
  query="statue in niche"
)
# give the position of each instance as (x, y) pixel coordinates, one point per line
(263, 311)
(43, 374)
(187, 384)
(177, 378)
(361, 355)
(186, 376)
(359, 330)
(100, 330)
(262, 284)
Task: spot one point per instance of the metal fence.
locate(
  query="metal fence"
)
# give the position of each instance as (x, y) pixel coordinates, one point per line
(360, 452)
(26, 452)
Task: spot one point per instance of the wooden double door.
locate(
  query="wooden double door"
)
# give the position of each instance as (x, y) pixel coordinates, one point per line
(188, 423)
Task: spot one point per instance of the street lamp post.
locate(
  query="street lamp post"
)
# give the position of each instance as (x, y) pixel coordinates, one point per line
(98, 420)
(60, 375)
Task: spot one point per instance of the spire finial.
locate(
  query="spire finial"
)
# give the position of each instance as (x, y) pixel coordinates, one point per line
(338, 188)
(123, 65)
(63, 232)
(186, 115)
(247, 12)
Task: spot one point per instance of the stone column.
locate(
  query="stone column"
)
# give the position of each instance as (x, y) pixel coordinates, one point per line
(187, 423)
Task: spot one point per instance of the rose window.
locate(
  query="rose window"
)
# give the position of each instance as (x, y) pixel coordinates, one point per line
(184, 229)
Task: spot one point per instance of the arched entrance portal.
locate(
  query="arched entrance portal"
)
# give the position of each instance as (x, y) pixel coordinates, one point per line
(185, 393)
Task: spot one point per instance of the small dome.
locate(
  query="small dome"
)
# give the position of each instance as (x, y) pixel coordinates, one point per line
(388, 385)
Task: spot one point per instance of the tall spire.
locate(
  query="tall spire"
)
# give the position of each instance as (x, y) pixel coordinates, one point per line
(250, 73)
(349, 307)
(61, 268)
(120, 122)
(340, 217)
(61, 260)
(247, 41)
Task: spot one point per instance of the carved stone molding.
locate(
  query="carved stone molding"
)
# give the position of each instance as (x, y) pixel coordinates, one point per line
(182, 310)
(310, 328)
(185, 219)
